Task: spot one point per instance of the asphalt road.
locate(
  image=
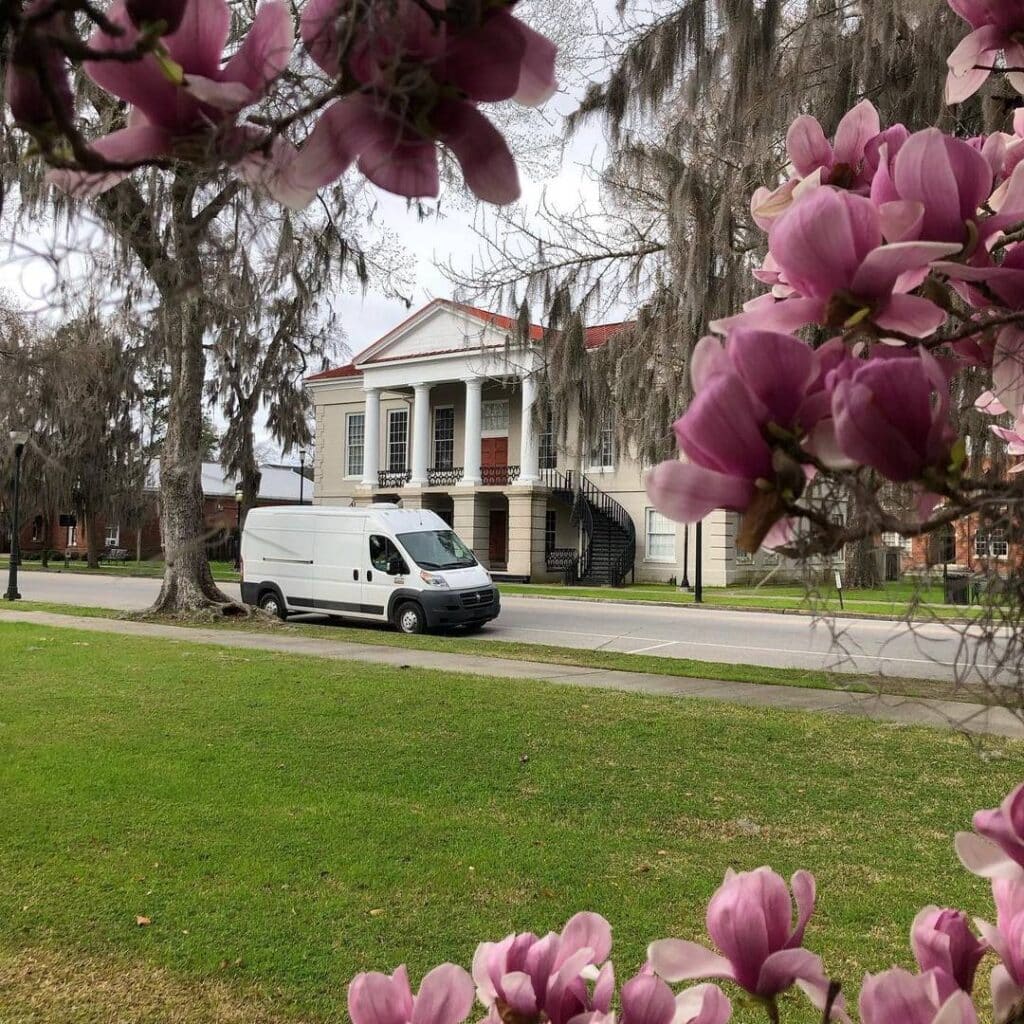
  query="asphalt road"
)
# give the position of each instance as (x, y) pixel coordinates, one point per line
(750, 638)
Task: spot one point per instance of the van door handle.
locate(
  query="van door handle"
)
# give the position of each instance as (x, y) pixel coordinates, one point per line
(369, 576)
(355, 574)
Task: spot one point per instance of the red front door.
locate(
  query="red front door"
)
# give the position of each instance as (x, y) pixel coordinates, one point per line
(497, 548)
(494, 451)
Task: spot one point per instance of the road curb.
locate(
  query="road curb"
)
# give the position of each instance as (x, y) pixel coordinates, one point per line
(807, 612)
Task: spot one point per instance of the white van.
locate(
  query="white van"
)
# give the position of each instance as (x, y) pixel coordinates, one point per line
(378, 563)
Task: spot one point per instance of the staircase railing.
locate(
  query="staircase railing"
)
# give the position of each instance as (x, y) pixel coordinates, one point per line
(573, 563)
(624, 561)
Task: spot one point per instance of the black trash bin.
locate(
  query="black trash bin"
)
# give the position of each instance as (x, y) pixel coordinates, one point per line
(958, 590)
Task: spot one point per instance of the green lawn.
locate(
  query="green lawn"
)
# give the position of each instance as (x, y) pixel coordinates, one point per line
(457, 643)
(284, 822)
(224, 571)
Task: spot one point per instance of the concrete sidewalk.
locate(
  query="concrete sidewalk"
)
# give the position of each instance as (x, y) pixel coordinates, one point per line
(973, 718)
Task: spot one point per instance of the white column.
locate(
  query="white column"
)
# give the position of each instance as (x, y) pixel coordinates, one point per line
(529, 453)
(471, 455)
(420, 434)
(371, 438)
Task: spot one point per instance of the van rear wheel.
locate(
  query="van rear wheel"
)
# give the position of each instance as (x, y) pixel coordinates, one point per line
(409, 618)
(272, 604)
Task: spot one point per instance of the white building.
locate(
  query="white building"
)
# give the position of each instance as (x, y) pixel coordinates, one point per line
(439, 414)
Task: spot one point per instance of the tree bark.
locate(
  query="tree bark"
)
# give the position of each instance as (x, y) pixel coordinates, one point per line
(92, 546)
(862, 565)
(188, 585)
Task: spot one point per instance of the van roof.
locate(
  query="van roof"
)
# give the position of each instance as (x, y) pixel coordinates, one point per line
(399, 520)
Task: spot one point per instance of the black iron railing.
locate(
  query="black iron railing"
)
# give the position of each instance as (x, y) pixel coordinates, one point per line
(445, 477)
(624, 561)
(393, 477)
(498, 476)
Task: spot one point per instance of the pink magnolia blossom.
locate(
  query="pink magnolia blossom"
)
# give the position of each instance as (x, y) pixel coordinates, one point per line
(445, 997)
(841, 163)
(422, 79)
(31, 108)
(536, 977)
(898, 995)
(1007, 941)
(997, 26)
(892, 413)
(171, 117)
(756, 379)
(829, 247)
(933, 189)
(995, 849)
(750, 919)
(942, 940)
(646, 999)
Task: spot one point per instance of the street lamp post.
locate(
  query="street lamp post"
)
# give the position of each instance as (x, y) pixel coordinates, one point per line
(302, 475)
(239, 495)
(684, 583)
(19, 438)
(698, 564)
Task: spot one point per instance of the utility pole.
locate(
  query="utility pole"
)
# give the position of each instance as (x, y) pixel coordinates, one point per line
(698, 565)
(19, 438)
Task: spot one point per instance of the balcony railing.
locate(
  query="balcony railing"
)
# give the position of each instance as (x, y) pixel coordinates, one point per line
(498, 476)
(393, 478)
(445, 477)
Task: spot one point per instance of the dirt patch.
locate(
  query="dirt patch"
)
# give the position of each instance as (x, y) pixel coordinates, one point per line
(45, 987)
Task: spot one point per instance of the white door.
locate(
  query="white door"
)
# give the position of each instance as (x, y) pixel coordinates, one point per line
(385, 570)
(337, 568)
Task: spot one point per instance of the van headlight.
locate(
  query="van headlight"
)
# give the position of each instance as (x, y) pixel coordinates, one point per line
(432, 579)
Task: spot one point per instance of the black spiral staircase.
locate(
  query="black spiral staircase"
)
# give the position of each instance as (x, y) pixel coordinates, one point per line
(607, 551)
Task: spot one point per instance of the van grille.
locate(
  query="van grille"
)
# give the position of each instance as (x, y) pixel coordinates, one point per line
(477, 598)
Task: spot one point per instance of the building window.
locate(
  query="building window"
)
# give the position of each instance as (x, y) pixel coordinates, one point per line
(547, 452)
(71, 539)
(550, 530)
(355, 430)
(37, 529)
(602, 453)
(661, 537)
(113, 538)
(942, 546)
(398, 440)
(494, 417)
(444, 437)
(991, 543)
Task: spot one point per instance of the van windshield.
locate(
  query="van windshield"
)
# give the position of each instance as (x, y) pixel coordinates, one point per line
(437, 549)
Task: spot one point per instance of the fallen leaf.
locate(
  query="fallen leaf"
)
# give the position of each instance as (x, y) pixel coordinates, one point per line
(143, 922)
(376, 912)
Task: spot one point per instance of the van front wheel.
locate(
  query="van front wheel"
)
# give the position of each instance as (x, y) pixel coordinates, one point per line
(409, 618)
(272, 605)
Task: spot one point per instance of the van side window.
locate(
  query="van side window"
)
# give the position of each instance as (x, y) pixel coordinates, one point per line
(385, 557)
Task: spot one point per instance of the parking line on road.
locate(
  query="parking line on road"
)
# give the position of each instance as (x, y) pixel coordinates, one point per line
(653, 647)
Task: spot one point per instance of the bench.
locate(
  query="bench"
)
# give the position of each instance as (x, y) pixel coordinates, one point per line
(114, 555)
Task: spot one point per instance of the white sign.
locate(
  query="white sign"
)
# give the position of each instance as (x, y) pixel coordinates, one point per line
(839, 580)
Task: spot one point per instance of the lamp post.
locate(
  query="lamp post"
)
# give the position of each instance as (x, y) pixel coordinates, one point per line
(239, 495)
(684, 583)
(19, 438)
(698, 565)
(302, 475)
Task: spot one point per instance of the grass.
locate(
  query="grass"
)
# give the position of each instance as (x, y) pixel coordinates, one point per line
(689, 668)
(149, 569)
(284, 822)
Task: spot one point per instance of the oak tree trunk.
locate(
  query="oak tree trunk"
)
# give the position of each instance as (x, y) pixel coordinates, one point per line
(92, 542)
(862, 565)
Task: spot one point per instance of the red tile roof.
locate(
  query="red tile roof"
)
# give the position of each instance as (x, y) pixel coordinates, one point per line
(348, 370)
(594, 337)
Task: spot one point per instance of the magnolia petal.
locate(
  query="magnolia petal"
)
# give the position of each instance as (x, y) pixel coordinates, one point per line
(1005, 993)
(910, 314)
(484, 63)
(782, 968)
(983, 858)
(780, 315)
(604, 987)
(318, 28)
(585, 930)
(901, 220)
(882, 267)
(375, 998)
(141, 142)
(537, 81)
(646, 999)
(857, 127)
(804, 892)
(1008, 369)
(228, 96)
(979, 47)
(265, 51)
(679, 960)
(807, 146)
(445, 996)
(702, 1004)
(517, 989)
(200, 40)
(486, 161)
